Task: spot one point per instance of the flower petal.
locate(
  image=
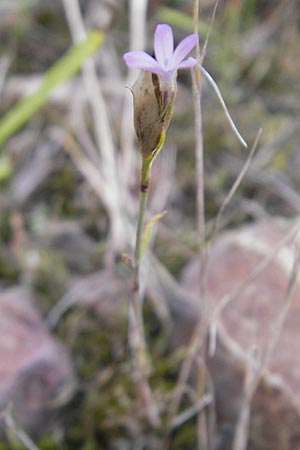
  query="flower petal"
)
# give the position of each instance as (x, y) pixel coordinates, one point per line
(163, 44)
(143, 61)
(187, 63)
(183, 48)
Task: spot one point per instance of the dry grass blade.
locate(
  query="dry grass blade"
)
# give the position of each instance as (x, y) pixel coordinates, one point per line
(201, 231)
(80, 128)
(287, 300)
(18, 432)
(87, 168)
(242, 427)
(223, 104)
(234, 188)
(63, 305)
(186, 415)
(203, 52)
(4, 65)
(98, 183)
(92, 85)
(102, 130)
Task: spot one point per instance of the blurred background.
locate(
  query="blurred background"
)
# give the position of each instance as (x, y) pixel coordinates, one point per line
(69, 177)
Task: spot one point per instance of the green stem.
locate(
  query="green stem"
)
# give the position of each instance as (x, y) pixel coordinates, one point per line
(139, 349)
(137, 303)
(144, 188)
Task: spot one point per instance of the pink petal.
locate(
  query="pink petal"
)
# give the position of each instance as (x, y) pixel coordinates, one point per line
(143, 61)
(163, 44)
(183, 48)
(187, 63)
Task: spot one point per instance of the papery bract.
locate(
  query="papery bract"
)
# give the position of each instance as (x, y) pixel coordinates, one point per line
(152, 113)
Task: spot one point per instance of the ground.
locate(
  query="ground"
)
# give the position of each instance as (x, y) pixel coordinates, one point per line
(60, 220)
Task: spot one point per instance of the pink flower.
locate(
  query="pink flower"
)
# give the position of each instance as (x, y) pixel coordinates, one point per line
(168, 60)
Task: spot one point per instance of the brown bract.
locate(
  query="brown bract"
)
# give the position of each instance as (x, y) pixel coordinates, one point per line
(153, 108)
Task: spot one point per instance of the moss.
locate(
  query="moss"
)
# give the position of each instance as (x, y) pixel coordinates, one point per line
(48, 443)
(9, 266)
(59, 190)
(170, 253)
(107, 389)
(5, 228)
(51, 278)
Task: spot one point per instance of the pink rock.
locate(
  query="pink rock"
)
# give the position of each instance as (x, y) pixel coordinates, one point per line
(34, 367)
(246, 325)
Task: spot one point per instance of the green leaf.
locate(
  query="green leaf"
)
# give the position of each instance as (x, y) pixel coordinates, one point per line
(63, 69)
(181, 20)
(148, 228)
(5, 167)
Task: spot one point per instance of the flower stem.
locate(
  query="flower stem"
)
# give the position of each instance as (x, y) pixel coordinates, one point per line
(138, 342)
(144, 188)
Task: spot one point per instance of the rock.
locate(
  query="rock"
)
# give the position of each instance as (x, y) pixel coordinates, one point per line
(248, 324)
(35, 370)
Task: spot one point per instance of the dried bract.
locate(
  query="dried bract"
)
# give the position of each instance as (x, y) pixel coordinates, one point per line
(153, 108)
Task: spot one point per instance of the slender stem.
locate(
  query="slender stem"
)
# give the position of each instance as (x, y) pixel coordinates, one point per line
(139, 231)
(145, 182)
(138, 341)
(136, 298)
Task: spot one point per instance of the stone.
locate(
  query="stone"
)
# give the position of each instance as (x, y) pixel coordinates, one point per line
(36, 374)
(259, 316)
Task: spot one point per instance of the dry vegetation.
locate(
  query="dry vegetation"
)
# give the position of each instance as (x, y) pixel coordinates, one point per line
(69, 190)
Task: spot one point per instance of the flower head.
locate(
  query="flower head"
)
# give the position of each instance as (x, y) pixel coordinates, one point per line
(168, 60)
(155, 89)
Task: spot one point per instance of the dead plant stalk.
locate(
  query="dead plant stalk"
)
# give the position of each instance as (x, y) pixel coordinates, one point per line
(103, 133)
(199, 332)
